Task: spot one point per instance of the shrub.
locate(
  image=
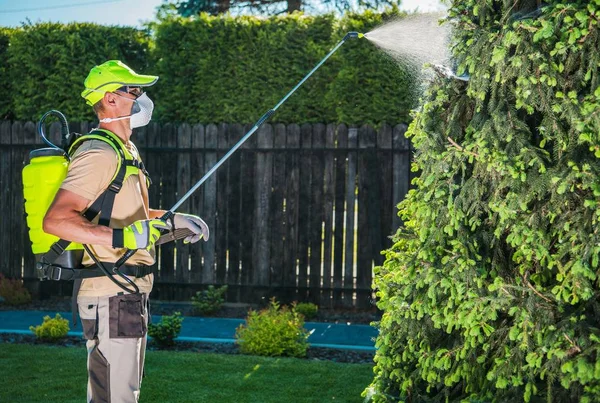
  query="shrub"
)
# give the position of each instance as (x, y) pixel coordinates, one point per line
(5, 83)
(51, 329)
(46, 60)
(265, 57)
(13, 292)
(307, 309)
(490, 290)
(231, 69)
(165, 332)
(210, 300)
(275, 331)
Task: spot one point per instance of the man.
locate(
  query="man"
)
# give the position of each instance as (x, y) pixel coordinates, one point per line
(114, 322)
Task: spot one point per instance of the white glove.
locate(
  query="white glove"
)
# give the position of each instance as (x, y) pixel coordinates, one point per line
(193, 223)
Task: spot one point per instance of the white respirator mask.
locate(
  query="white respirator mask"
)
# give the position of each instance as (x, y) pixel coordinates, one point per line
(141, 112)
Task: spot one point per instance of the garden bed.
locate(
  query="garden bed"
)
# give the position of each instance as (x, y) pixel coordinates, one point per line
(314, 353)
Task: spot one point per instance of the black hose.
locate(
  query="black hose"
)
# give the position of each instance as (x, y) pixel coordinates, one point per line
(64, 128)
(136, 290)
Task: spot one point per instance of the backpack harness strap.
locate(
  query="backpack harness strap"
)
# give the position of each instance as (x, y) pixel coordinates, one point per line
(102, 206)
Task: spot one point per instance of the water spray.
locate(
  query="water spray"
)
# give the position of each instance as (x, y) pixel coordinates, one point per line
(178, 235)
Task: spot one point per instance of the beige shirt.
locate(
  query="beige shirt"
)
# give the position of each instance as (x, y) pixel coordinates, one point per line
(90, 172)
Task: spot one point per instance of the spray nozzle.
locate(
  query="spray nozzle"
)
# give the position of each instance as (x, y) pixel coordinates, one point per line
(353, 34)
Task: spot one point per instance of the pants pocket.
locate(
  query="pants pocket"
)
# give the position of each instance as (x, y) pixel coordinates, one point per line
(126, 316)
(88, 313)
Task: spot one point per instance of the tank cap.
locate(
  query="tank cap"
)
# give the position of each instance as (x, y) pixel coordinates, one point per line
(46, 152)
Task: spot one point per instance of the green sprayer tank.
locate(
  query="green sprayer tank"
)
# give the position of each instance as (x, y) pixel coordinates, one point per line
(42, 178)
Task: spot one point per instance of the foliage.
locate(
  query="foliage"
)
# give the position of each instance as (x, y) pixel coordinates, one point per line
(274, 331)
(210, 300)
(50, 61)
(166, 331)
(213, 69)
(52, 329)
(13, 292)
(306, 309)
(490, 291)
(367, 86)
(188, 8)
(5, 83)
(233, 69)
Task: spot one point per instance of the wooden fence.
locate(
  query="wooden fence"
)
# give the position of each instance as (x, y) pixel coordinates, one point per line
(299, 212)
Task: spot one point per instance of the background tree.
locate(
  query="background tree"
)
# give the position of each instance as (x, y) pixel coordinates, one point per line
(188, 8)
(490, 292)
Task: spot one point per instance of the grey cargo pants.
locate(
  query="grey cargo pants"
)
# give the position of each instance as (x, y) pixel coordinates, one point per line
(115, 328)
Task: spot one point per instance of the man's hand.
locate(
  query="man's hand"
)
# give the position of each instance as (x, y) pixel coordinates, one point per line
(142, 234)
(193, 223)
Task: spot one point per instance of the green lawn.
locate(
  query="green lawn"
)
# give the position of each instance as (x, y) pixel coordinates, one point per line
(33, 373)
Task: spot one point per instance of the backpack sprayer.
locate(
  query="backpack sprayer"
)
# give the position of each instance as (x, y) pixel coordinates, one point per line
(37, 204)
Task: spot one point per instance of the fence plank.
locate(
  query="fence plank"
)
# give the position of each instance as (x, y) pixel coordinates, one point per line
(349, 256)
(401, 169)
(29, 138)
(385, 159)
(5, 194)
(328, 214)
(304, 213)
(340, 192)
(197, 200)
(16, 207)
(54, 133)
(168, 192)
(210, 206)
(368, 213)
(261, 235)
(248, 161)
(154, 168)
(183, 159)
(292, 209)
(235, 207)
(221, 225)
(316, 212)
(139, 137)
(276, 215)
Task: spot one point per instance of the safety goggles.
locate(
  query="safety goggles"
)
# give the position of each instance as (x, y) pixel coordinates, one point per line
(135, 91)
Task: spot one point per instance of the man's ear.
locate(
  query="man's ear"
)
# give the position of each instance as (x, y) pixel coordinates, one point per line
(110, 98)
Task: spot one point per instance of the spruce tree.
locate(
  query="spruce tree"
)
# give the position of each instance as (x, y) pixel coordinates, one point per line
(490, 290)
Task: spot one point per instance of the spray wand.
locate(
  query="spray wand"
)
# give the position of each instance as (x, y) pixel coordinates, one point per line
(254, 128)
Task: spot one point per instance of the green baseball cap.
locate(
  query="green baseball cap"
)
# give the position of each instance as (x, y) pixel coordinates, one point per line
(110, 76)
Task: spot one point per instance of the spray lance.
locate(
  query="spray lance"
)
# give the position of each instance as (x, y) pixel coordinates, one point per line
(178, 234)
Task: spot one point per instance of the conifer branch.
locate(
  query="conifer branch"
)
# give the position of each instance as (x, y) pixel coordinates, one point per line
(459, 148)
(539, 294)
(574, 347)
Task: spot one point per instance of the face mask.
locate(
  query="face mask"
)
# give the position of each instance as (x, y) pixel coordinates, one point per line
(141, 112)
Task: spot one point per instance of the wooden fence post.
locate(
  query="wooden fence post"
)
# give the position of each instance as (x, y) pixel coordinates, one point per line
(197, 171)
(292, 211)
(210, 206)
(349, 259)
(183, 160)
(261, 235)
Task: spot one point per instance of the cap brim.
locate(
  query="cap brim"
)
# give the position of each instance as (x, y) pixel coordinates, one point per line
(134, 80)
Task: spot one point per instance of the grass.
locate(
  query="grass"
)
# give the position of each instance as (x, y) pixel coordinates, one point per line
(34, 373)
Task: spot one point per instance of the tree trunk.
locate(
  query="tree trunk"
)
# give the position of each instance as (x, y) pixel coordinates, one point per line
(223, 6)
(294, 5)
